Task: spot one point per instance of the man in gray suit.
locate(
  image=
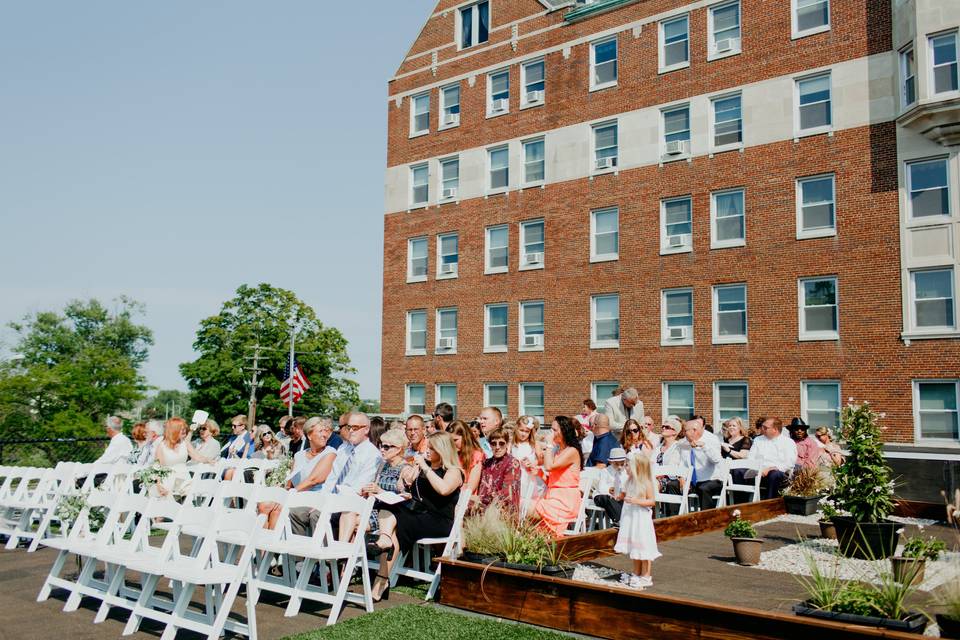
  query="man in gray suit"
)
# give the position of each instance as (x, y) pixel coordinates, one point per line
(621, 408)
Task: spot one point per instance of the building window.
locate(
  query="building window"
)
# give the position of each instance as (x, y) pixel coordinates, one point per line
(730, 313)
(446, 330)
(728, 228)
(674, 44)
(416, 399)
(819, 309)
(605, 146)
(908, 77)
(605, 235)
(447, 392)
(931, 294)
(943, 49)
(420, 185)
(417, 259)
(498, 94)
(816, 216)
(416, 333)
(820, 404)
(676, 131)
(935, 409)
(499, 160)
(810, 16)
(928, 185)
(677, 320)
(603, 64)
(531, 326)
(450, 106)
(531, 400)
(724, 27)
(814, 104)
(495, 395)
(600, 391)
(533, 81)
(498, 246)
(420, 114)
(604, 321)
(495, 336)
(727, 123)
(730, 400)
(531, 244)
(676, 225)
(448, 256)
(450, 178)
(474, 24)
(533, 162)
(678, 399)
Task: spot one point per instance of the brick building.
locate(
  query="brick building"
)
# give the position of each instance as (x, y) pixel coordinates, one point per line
(738, 207)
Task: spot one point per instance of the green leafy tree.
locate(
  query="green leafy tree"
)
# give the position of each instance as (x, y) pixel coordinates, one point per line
(259, 315)
(167, 400)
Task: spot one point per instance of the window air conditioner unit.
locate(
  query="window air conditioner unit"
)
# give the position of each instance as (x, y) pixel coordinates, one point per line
(676, 147)
(451, 119)
(447, 343)
(534, 258)
(679, 333)
(500, 105)
(679, 240)
(447, 269)
(606, 163)
(727, 44)
(533, 341)
(449, 194)
(535, 96)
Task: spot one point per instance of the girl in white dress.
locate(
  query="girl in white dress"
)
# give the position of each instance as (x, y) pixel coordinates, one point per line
(526, 448)
(173, 452)
(636, 538)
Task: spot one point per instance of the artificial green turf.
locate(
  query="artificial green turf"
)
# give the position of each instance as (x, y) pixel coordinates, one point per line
(425, 623)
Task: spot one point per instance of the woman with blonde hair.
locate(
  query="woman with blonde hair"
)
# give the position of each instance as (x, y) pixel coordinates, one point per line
(173, 452)
(736, 443)
(267, 446)
(469, 453)
(209, 445)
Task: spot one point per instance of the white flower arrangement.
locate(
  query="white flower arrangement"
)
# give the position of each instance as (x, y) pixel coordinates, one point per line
(278, 475)
(154, 474)
(70, 506)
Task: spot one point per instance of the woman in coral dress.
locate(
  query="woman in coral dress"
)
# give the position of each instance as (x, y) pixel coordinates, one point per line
(560, 503)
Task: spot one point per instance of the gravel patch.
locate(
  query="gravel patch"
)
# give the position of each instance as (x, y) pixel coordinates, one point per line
(813, 520)
(597, 574)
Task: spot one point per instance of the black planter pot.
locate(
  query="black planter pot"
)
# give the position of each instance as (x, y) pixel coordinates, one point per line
(802, 505)
(913, 623)
(549, 569)
(949, 627)
(866, 540)
(479, 558)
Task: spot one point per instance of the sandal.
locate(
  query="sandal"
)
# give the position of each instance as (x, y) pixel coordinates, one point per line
(374, 550)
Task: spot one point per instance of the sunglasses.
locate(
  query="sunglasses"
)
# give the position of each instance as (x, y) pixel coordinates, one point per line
(498, 443)
(237, 425)
(668, 426)
(633, 430)
(387, 447)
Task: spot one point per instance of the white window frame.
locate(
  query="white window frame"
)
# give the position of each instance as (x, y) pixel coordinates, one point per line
(665, 248)
(414, 132)
(736, 242)
(490, 151)
(443, 182)
(913, 300)
(596, 343)
(712, 53)
(475, 19)
(524, 146)
(524, 103)
(603, 257)
(809, 336)
(730, 146)
(615, 165)
(715, 320)
(440, 254)
(664, 157)
(438, 396)
(410, 351)
(595, 392)
(486, 396)
(523, 398)
(444, 107)
(437, 331)
(804, 234)
(664, 397)
(917, 433)
(665, 340)
(795, 31)
(931, 68)
(487, 269)
(662, 67)
(406, 397)
(812, 131)
(903, 77)
(805, 399)
(410, 276)
(498, 348)
(913, 220)
(523, 245)
(490, 76)
(521, 322)
(594, 86)
(716, 401)
(414, 203)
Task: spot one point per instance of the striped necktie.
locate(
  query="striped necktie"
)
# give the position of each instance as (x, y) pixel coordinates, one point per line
(343, 472)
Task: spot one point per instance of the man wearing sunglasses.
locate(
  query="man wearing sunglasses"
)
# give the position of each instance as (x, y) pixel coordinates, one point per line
(442, 417)
(500, 474)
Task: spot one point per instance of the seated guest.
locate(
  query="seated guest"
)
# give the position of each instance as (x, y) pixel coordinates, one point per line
(469, 452)
(429, 513)
(297, 441)
(119, 447)
(442, 417)
(831, 453)
(701, 449)
(138, 436)
(736, 443)
(266, 446)
(610, 486)
(416, 436)
(560, 503)
(777, 456)
(283, 432)
(172, 452)
(587, 411)
(620, 408)
(603, 441)
(490, 419)
(634, 438)
(527, 449)
(148, 452)
(209, 446)
(394, 475)
(500, 475)
(240, 444)
(378, 426)
(649, 432)
(808, 450)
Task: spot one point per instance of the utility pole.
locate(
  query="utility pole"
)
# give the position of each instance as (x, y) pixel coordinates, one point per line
(254, 385)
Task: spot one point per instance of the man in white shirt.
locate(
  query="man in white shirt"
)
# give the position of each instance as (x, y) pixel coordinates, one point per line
(149, 451)
(777, 455)
(120, 446)
(622, 407)
(701, 451)
(611, 485)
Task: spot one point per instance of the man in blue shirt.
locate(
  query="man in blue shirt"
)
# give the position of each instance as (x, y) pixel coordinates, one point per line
(604, 441)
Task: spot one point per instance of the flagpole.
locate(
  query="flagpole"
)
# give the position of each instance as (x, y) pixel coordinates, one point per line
(293, 333)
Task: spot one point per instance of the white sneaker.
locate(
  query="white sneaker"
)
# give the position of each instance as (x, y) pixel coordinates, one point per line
(646, 581)
(625, 578)
(635, 582)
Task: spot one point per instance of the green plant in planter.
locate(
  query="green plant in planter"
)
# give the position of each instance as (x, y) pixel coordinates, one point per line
(739, 528)
(829, 509)
(924, 548)
(864, 486)
(806, 483)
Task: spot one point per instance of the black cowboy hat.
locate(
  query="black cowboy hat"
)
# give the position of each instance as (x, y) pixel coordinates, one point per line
(797, 423)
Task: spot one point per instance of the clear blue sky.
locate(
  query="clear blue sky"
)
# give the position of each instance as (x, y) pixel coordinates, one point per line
(174, 150)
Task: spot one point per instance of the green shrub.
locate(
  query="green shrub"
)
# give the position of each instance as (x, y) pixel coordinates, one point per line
(864, 486)
(926, 548)
(739, 528)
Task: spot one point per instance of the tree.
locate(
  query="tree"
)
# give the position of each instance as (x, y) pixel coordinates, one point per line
(72, 369)
(219, 381)
(167, 403)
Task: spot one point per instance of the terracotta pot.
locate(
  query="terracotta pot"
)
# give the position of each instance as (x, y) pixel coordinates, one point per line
(827, 530)
(908, 570)
(747, 550)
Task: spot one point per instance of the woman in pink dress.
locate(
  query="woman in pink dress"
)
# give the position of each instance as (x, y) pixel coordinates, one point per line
(560, 503)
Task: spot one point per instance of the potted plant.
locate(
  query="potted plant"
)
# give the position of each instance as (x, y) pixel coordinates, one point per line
(909, 566)
(803, 494)
(746, 545)
(864, 488)
(828, 511)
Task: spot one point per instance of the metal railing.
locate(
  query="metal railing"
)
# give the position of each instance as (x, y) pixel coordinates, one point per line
(47, 452)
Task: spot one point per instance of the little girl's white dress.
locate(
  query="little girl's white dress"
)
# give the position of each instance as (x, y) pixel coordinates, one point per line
(636, 538)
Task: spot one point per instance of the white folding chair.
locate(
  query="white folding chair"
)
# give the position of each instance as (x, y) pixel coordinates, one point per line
(679, 471)
(588, 480)
(753, 488)
(66, 476)
(32, 497)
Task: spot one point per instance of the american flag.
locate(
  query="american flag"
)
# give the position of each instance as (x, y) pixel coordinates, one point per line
(294, 386)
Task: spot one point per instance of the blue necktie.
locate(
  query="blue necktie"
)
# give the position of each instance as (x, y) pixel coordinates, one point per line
(693, 465)
(343, 472)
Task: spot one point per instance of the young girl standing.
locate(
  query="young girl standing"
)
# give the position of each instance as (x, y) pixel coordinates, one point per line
(637, 539)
